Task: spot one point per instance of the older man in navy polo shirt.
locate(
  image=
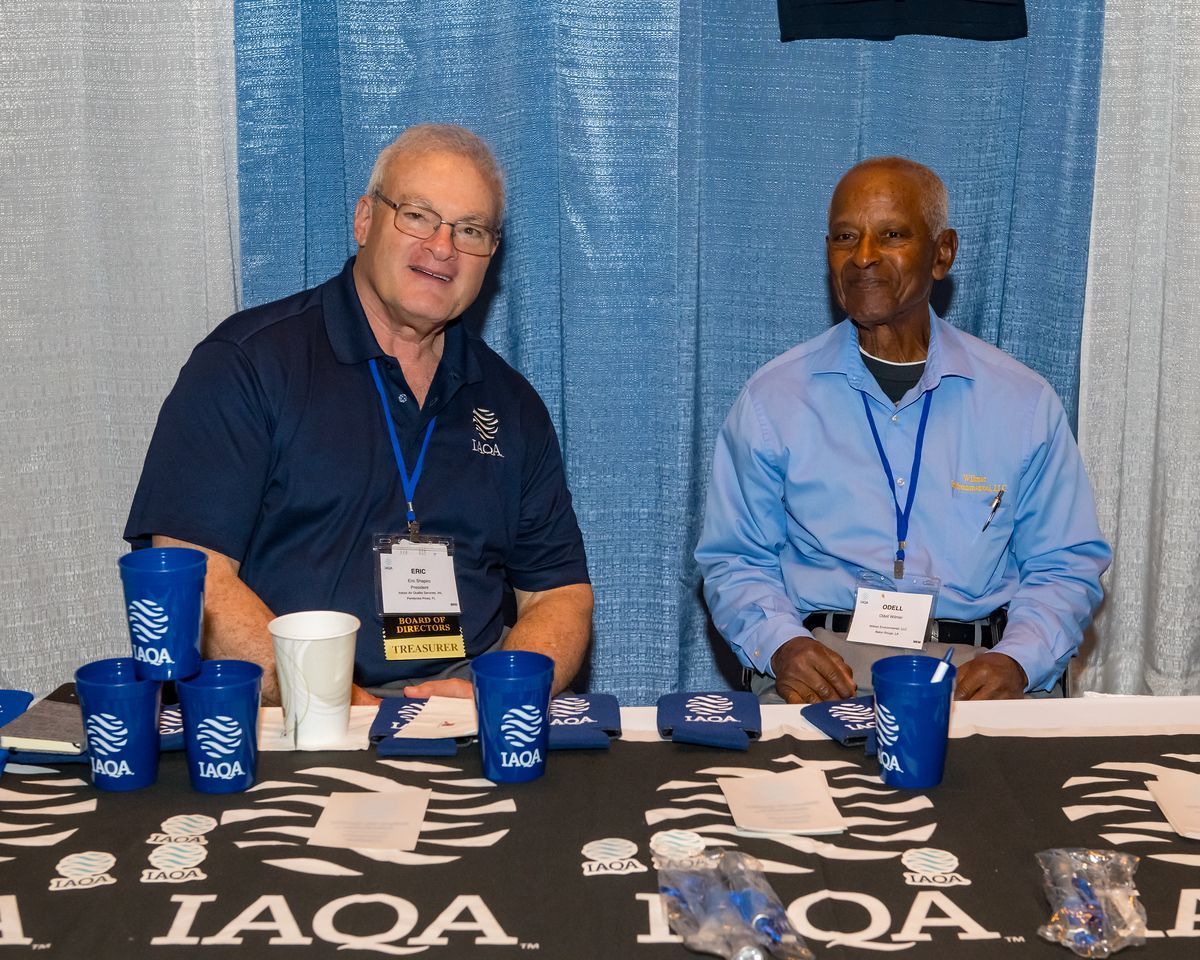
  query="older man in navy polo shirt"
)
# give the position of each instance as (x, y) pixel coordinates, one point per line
(308, 439)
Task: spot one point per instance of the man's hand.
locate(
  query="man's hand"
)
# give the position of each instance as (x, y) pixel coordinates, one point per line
(807, 671)
(454, 687)
(990, 676)
(360, 698)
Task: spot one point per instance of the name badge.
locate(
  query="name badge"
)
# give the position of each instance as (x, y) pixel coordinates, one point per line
(418, 598)
(889, 617)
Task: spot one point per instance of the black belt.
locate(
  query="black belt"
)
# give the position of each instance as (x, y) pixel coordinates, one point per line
(974, 633)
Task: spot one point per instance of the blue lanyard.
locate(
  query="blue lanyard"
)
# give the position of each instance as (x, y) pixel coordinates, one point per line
(901, 515)
(408, 482)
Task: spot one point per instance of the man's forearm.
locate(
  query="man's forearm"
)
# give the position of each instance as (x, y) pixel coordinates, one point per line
(235, 619)
(557, 623)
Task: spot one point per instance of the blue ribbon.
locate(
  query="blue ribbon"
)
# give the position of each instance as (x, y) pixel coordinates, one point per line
(901, 515)
(408, 482)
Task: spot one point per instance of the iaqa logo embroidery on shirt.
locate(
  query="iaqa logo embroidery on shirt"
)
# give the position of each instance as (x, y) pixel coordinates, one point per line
(487, 425)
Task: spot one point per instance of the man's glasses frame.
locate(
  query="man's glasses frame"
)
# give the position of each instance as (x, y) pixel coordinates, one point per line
(469, 237)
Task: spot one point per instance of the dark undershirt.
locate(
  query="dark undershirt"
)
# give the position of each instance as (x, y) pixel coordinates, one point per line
(895, 379)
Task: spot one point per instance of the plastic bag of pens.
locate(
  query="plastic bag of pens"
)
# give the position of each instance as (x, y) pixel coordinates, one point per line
(720, 903)
(1094, 905)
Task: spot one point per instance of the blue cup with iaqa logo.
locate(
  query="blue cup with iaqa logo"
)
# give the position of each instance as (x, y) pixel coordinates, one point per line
(512, 699)
(220, 724)
(120, 720)
(164, 602)
(912, 719)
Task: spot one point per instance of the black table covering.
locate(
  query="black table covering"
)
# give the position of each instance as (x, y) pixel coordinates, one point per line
(501, 871)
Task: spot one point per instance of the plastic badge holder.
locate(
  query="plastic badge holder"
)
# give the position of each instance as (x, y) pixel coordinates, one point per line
(1094, 905)
(721, 904)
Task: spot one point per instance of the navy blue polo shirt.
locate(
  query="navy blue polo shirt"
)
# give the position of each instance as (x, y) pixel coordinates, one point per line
(272, 449)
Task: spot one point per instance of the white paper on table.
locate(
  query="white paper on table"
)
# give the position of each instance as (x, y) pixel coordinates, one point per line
(1177, 793)
(442, 717)
(797, 801)
(389, 821)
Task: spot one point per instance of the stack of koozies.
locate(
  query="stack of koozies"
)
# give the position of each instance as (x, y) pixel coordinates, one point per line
(577, 721)
(849, 722)
(725, 719)
(388, 727)
(584, 721)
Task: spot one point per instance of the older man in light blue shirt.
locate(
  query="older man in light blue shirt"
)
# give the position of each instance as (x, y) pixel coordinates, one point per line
(894, 408)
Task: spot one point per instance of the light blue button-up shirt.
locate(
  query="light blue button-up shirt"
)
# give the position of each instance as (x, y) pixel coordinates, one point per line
(799, 504)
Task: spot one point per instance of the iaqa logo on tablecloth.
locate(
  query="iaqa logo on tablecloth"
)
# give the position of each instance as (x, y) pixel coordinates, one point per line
(88, 869)
(149, 624)
(612, 856)
(931, 867)
(175, 863)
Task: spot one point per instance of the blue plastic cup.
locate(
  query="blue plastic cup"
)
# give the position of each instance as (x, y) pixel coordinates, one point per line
(220, 724)
(120, 719)
(512, 698)
(912, 719)
(164, 600)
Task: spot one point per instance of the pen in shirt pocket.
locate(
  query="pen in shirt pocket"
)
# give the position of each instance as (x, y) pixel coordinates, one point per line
(992, 512)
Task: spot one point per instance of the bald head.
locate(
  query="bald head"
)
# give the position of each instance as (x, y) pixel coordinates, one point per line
(933, 197)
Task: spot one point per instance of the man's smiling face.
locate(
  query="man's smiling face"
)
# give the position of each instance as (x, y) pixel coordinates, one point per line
(423, 284)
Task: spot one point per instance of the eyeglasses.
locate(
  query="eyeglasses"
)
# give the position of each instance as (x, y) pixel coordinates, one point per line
(422, 223)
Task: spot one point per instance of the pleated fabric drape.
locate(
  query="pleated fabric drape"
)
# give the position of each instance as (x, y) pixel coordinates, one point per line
(1140, 409)
(669, 165)
(117, 253)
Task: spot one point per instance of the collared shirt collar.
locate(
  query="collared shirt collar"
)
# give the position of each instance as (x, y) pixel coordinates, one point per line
(352, 340)
(947, 355)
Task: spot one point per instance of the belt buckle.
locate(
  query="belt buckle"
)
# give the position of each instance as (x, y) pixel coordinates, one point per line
(933, 631)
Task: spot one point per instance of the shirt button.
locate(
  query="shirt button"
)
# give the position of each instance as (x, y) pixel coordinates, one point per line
(403, 398)
(899, 481)
(895, 418)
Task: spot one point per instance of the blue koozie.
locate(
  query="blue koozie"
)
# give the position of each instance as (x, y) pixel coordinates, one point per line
(387, 729)
(725, 719)
(164, 601)
(512, 696)
(584, 721)
(120, 719)
(912, 720)
(846, 721)
(220, 724)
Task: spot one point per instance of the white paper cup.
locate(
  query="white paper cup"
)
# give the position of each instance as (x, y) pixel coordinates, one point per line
(314, 660)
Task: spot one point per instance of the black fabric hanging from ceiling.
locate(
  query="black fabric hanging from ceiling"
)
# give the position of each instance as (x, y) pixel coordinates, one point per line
(887, 19)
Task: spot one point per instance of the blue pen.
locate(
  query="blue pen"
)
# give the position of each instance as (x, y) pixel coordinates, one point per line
(942, 667)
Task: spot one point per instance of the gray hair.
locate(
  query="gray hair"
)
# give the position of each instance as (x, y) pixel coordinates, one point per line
(442, 138)
(935, 198)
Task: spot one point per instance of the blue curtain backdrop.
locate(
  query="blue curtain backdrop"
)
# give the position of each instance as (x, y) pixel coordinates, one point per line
(669, 166)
